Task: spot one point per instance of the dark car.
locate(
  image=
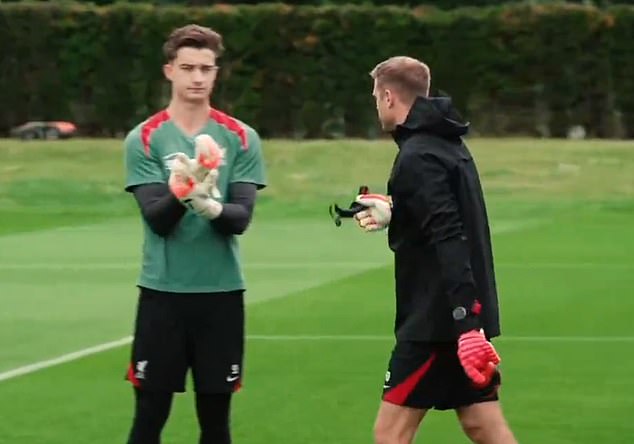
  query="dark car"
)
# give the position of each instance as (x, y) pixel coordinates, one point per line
(50, 130)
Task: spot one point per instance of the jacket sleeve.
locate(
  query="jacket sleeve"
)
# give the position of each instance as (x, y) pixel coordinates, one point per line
(436, 212)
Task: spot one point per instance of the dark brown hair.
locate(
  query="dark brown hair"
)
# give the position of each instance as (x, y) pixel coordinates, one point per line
(407, 75)
(193, 36)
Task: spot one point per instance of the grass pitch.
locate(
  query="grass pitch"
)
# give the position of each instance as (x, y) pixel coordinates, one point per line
(320, 298)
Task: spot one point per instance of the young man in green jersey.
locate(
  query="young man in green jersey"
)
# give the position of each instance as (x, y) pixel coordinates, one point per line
(190, 312)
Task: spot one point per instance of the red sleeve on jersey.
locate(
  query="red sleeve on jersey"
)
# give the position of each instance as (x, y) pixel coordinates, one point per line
(231, 124)
(151, 125)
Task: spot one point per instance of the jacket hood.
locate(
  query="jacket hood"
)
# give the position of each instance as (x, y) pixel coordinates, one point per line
(434, 115)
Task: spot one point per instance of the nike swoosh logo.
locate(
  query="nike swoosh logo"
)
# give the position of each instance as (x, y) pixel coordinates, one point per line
(232, 378)
(386, 386)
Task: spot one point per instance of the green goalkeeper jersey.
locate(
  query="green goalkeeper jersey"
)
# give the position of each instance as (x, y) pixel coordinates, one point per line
(194, 257)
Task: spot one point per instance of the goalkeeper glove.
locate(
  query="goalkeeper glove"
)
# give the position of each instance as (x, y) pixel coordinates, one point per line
(193, 194)
(477, 357)
(209, 157)
(378, 214)
(207, 160)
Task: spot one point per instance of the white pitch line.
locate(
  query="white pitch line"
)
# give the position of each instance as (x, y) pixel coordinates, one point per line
(391, 338)
(566, 265)
(32, 368)
(136, 265)
(49, 266)
(565, 338)
(320, 337)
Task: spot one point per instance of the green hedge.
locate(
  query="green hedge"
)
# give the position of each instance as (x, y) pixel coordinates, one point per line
(512, 70)
(441, 4)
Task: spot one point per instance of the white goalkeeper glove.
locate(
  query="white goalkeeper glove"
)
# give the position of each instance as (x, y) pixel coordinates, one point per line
(209, 157)
(193, 194)
(378, 214)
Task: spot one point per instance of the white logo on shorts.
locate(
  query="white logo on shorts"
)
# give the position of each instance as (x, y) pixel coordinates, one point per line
(140, 370)
(235, 373)
(388, 375)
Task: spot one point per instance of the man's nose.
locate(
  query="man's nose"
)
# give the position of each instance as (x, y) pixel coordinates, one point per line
(197, 76)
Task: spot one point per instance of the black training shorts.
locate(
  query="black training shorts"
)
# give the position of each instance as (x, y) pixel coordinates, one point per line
(175, 332)
(427, 375)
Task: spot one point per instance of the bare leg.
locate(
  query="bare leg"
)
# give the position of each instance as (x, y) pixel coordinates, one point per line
(396, 424)
(484, 423)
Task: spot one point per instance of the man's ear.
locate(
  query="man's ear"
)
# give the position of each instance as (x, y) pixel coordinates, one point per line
(389, 98)
(168, 69)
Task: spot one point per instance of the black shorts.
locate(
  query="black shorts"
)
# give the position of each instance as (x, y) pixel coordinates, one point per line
(175, 332)
(427, 375)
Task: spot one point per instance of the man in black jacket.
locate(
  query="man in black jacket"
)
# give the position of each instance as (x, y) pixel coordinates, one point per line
(446, 299)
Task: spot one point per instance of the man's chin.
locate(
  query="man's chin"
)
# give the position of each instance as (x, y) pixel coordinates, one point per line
(195, 99)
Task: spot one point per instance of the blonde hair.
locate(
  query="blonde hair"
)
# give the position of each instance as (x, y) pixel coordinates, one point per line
(409, 76)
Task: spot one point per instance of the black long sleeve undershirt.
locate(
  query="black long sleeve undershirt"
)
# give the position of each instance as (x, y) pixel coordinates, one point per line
(162, 211)
(238, 210)
(159, 207)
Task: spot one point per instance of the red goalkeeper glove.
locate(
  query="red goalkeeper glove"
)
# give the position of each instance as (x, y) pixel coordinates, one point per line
(478, 357)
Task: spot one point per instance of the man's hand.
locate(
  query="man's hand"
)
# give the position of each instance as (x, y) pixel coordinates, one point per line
(478, 357)
(209, 157)
(378, 214)
(202, 203)
(181, 181)
(193, 194)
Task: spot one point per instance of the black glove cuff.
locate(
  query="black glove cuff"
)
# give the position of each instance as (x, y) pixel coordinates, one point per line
(467, 324)
(467, 319)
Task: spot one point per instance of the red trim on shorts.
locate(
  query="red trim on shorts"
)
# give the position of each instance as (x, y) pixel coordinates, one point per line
(399, 393)
(231, 124)
(131, 377)
(151, 125)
